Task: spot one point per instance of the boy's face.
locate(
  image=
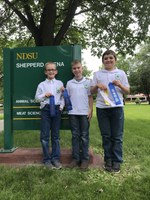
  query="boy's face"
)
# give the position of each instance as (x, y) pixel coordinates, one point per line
(109, 62)
(50, 71)
(77, 70)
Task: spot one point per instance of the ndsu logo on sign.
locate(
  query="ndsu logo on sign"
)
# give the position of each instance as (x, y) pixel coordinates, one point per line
(27, 56)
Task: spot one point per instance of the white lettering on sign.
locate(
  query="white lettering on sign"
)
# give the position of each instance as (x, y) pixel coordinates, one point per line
(22, 101)
(21, 113)
(29, 65)
(28, 113)
(36, 65)
(59, 64)
(33, 113)
(32, 101)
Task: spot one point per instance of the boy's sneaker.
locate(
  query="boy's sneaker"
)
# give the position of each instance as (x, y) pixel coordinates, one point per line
(74, 163)
(49, 165)
(84, 165)
(108, 165)
(57, 164)
(116, 167)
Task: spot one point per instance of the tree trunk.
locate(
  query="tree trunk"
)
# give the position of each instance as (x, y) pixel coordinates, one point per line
(47, 23)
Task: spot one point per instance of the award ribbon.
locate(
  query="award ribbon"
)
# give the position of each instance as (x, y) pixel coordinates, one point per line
(67, 100)
(52, 106)
(114, 93)
(106, 99)
(106, 93)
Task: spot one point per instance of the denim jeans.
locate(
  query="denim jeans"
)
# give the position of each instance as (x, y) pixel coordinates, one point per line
(50, 127)
(80, 137)
(111, 123)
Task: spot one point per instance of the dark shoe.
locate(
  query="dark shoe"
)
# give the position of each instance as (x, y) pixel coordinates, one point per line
(108, 165)
(84, 165)
(116, 167)
(57, 164)
(49, 165)
(74, 163)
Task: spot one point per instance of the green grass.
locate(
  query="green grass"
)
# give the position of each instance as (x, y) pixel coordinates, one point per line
(133, 183)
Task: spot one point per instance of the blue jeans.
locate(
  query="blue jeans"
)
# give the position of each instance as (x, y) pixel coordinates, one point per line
(80, 137)
(111, 123)
(50, 125)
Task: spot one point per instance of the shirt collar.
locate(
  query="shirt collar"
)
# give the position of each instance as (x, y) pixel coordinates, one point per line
(81, 81)
(51, 81)
(113, 71)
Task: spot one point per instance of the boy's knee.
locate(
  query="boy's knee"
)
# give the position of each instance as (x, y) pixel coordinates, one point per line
(44, 141)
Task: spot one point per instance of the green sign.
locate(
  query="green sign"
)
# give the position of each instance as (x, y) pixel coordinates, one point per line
(23, 71)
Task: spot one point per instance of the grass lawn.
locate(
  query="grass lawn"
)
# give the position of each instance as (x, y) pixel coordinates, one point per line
(39, 183)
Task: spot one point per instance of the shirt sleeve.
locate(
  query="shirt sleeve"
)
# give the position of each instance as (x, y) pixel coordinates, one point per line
(94, 80)
(68, 89)
(125, 80)
(62, 102)
(89, 87)
(39, 96)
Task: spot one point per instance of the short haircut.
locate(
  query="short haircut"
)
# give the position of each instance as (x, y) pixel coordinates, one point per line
(75, 62)
(49, 63)
(108, 52)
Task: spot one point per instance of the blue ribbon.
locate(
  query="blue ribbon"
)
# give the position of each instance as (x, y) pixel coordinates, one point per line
(52, 106)
(68, 103)
(114, 93)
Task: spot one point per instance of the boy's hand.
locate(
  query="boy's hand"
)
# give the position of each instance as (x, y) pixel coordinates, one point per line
(61, 107)
(62, 89)
(90, 115)
(125, 90)
(101, 86)
(48, 94)
(117, 83)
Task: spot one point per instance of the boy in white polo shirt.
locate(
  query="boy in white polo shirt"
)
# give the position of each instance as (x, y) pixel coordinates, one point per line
(47, 88)
(109, 108)
(82, 103)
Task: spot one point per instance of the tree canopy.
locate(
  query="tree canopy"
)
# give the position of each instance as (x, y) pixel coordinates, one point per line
(140, 76)
(123, 23)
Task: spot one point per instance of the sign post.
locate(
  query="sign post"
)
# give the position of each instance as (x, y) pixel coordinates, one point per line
(23, 71)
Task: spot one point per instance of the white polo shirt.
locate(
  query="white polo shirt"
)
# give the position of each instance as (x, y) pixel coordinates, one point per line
(49, 86)
(79, 92)
(104, 77)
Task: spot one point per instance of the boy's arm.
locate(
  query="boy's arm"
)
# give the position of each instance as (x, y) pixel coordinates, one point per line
(90, 113)
(123, 84)
(125, 90)
(95, 85)
(68, 88)
(62, 102)
(94, 89)
(39, 96)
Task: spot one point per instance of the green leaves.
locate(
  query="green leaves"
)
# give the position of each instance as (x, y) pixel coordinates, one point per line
(120, 24)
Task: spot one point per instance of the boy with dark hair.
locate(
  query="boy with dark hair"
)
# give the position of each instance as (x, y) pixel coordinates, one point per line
(110, 84)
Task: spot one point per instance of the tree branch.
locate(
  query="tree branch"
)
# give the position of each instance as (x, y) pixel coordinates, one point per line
(83, 11)
(28, 13)
(73, 4)
(28, 23)
(5, 19)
